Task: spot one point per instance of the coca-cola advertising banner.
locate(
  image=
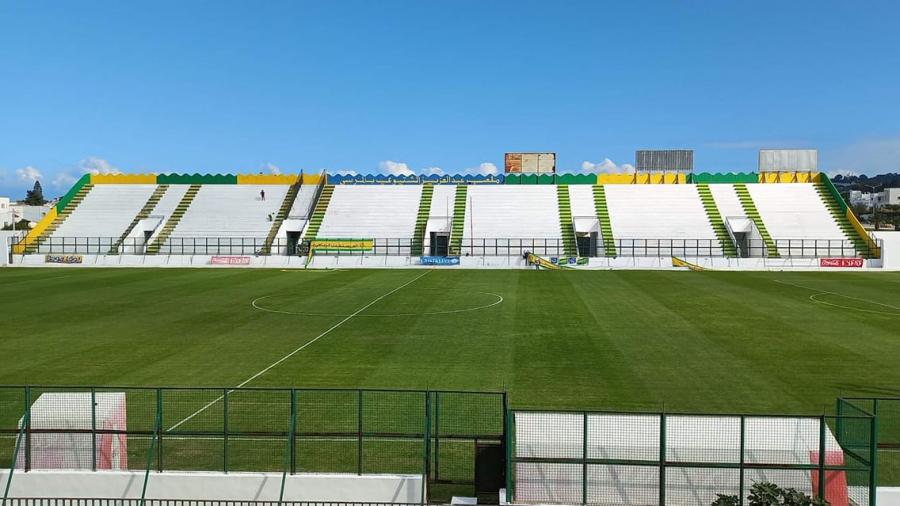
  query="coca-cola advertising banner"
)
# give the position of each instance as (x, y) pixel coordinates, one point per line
(224, 260)
(840, 262)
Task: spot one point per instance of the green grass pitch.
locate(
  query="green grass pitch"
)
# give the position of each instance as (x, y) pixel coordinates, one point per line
(689, 341)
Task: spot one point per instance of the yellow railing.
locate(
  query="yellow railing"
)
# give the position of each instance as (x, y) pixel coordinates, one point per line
(35, 232)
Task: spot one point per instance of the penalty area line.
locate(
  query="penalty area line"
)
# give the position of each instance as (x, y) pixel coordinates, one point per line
(298, 350)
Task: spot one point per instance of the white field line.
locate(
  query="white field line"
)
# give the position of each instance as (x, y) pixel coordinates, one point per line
(298, 350)
(499, 299)
(826, 292)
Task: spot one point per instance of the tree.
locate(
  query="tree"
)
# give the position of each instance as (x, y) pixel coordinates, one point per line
(769, 494)
(860, 210)
(35, 196)
(887, 214)
(19, 225)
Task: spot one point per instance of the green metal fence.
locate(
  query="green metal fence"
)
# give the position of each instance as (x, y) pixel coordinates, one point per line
(250, 429)
(596, 457)
(686, 459)
(38, 501)
(887, 411)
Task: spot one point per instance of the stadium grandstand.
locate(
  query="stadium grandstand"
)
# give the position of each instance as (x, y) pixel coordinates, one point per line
(765, 220)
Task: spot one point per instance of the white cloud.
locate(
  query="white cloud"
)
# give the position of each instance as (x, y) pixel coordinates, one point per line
(607, 166)
(273, 169)
(346, 172)
(28, 174)
(433, 171)
(484, 169)
(63, 180)
(845, 173)
(395, 168)
(96, 166)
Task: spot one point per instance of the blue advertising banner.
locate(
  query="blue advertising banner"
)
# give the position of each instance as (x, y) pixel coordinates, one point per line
(568, 261)
(439, 260)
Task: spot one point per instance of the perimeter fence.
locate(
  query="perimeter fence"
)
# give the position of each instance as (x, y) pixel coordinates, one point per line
(513, 247)
(550, 457)
(685, 459)
(429, 433)
(887, 411)
(45, 501)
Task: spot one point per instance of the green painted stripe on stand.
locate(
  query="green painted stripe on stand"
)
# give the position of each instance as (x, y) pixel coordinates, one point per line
(174, 219)
(459, 219)
(145, 211)
(606, 232)
(418, 241)
(566, 229)
(282, 215)
(752, 213)
(315, 222)
(715, 219)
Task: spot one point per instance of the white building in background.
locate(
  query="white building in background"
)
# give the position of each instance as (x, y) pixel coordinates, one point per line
(33, 214)
(858, 198)
(6, 212)
(10, 209)
(888, 197)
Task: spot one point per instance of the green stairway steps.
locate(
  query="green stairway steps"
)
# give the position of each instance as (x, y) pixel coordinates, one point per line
(750, 210)
(60, 218)
(606, 233)
(418, 241)
(145, 211)
(565, 220)
(174, 219)
(282, 215)
(839, 214)
(459, 219)
(715, 219)
(315, 221)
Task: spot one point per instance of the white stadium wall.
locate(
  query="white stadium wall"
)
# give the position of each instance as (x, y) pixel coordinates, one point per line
(379, 488)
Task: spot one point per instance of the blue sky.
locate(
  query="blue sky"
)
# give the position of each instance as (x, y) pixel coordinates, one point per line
(373, 86)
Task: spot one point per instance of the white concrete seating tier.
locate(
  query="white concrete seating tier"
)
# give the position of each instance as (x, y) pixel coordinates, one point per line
(796, 212)
(169, 201)
(727, 201)
(660, 220)
(504, 220)
(227, 220)
(584, 212)
(303, 204)
(384, 213)
(581, 199)
(99, 219)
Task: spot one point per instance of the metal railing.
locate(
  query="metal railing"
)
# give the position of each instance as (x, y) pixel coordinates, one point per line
(289, 430)
(46, 501)
(597, 457)
(887, 411)
(509, 247)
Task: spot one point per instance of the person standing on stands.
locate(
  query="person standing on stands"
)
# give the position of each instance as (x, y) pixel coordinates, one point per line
(262, 194)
